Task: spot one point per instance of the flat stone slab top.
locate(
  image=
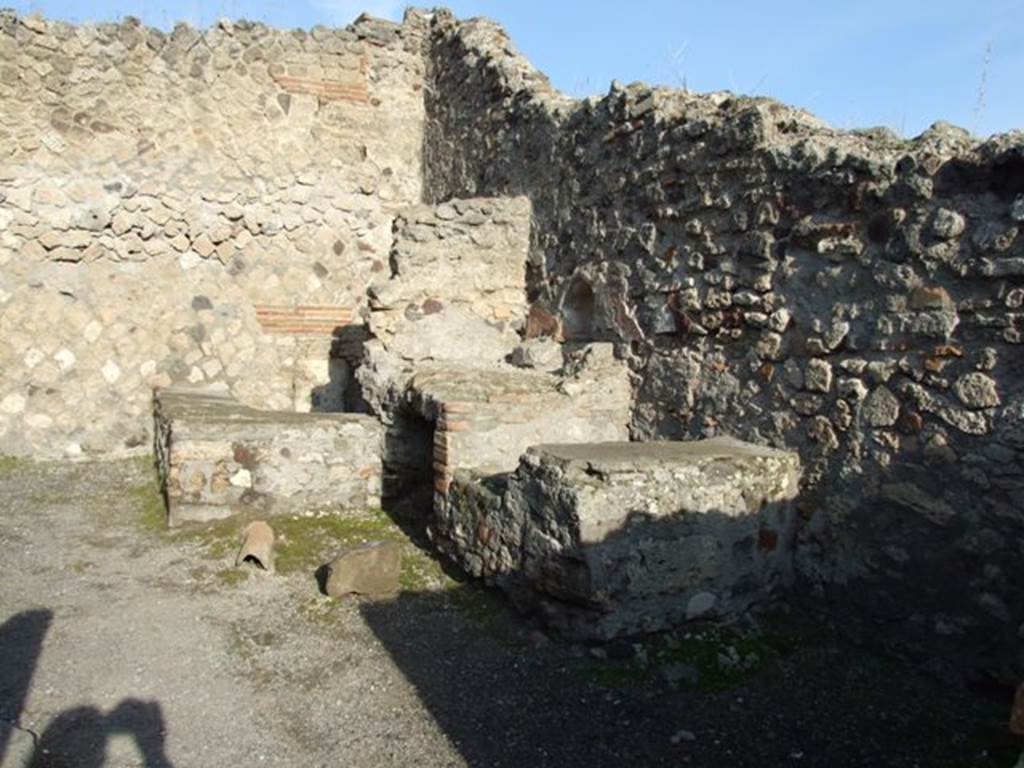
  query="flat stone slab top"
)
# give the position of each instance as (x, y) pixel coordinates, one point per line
(445, 383)
(616, 538)
(720, 475)
(218, 457)
(624, 456)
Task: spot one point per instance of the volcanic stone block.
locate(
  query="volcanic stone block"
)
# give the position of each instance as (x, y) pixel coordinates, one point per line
(618, 538)
(218, 458)
(370, 569)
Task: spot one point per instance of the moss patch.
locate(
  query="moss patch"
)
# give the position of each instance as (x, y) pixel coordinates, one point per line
(421, 572)
(323, 610)
(152, 513)
(721, 658)
(304, 543)
(9, 464)
(217, 540)
(230, 577)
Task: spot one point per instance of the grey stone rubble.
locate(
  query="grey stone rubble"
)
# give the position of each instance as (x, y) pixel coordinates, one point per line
(407, 219)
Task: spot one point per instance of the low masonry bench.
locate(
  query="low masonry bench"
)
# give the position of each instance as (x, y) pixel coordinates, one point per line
(218, 457)
(445, 416)
(486, 418)
(612, 539)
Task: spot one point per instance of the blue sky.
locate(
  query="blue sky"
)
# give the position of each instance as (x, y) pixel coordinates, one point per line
(898, 63)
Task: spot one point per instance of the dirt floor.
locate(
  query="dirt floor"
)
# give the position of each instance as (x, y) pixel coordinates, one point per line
(124, 645)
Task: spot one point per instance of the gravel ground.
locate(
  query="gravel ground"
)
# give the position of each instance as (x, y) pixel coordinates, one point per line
(122, 645)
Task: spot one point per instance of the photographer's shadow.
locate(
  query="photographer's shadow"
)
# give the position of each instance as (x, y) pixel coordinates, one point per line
(79, 737)
(76, 737)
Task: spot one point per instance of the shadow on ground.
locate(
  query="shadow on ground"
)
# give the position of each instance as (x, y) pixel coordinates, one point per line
(21, 642)
(77, 737)
(785, 689)
(505, 695)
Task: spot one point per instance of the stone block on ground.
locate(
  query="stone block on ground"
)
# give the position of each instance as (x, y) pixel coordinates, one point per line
(218, 458)
(612, 539)
(370, 569)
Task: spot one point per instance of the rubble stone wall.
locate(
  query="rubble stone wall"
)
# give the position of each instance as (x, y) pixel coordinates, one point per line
(853, 296)
(458, 269)
(190, 207)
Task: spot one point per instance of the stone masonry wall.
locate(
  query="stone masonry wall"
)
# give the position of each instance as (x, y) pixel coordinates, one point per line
(191, 207)
(850, 295)
(621, 538)
(456, 268)
(217, 458)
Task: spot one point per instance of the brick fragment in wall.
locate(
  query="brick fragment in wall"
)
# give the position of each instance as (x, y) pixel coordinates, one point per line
(303, 320)
(325, 89)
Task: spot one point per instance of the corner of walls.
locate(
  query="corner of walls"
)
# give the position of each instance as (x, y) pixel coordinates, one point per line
(849, 294)
(199, 206)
